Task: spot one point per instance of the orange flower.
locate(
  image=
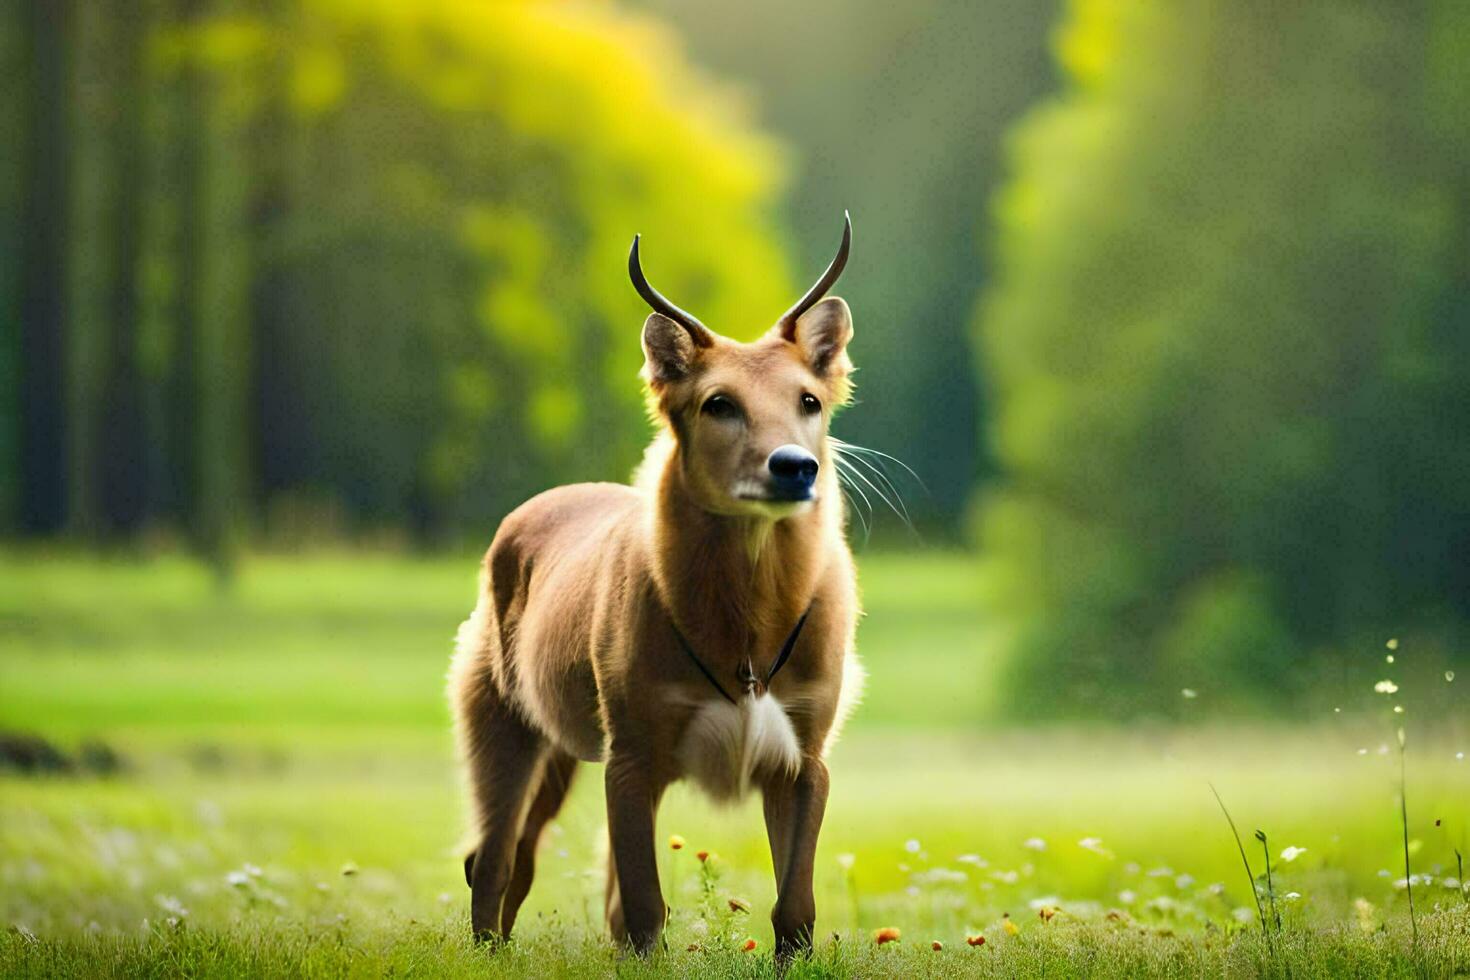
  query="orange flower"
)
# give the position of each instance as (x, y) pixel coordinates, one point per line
(975, 940)
(888, 934)
(936, 945)
(702, 855)
(1046, 912)
(750, 945)
(737, 905)
(676, 843)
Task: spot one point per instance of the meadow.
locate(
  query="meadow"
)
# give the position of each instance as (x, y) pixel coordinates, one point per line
(284, 801)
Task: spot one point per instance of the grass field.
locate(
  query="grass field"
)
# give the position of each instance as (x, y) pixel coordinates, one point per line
(288, 804)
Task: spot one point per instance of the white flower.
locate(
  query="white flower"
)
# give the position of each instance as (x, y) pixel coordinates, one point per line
(238, 879)
(1095, 845)
(1035, 844)
(1127, 896)
(1183, 881)
(1386, 687)
(846, 861)
(1292, 853)
(974, 859)
(1292, 896)
(912, 846)
(1189, 693)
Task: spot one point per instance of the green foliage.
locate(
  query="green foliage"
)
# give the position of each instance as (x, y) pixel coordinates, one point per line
(367, 259)
(1229, 345)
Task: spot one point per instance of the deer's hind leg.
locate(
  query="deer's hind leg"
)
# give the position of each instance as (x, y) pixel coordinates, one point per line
(554, 781)
(503, 757)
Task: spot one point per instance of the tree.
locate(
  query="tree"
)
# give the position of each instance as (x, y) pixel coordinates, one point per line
(1229, 344)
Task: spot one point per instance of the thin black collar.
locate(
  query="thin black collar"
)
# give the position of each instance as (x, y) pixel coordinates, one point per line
(781, 659)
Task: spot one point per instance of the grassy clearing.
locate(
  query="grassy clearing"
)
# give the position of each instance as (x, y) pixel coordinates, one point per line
(295, 730)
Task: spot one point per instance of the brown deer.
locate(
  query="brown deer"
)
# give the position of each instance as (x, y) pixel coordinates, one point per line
(698, 623)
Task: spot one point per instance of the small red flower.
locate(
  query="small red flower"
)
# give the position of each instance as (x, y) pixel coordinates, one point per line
(749, 946)
(888, 934)
(936, 945)
(976, 940)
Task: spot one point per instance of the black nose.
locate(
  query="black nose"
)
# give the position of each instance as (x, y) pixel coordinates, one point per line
(793, 471)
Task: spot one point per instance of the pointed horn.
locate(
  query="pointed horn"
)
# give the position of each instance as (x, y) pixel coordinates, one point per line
(697, 331)
(787, 323)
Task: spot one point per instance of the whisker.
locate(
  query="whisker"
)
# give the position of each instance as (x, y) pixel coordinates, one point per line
(867, 531)
(900, 514)
(845, 481)
(882, 477)
(854, 447)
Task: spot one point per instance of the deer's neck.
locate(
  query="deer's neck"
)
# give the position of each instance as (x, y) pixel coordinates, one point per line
(735, 585)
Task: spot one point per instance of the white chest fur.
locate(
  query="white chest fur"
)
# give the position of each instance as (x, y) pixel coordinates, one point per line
(727, 745)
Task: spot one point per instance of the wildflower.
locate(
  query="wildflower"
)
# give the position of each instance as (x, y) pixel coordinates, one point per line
(936, 945)
(1389, 658)
(738, 905)
(1292, 896)
(912, 846)
(1292, 853)
(1010, 927)
(974, 859)
(1189, 693)
(1183, 881)
(846, 861)
(750, 945)
(237, 879)
(888, 934)
(1449, 676)
(1034, 844)
(173, 906)
(1386, 687)
(1393, 644)
(676, 843)
(1127, 896)
(975, 940)
(1046, 912)
(703, 856)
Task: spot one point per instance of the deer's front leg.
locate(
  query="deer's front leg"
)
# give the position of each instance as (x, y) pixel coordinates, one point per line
(794, 810)
(632, 798)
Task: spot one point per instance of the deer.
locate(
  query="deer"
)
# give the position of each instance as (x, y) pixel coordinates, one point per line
(697, 623)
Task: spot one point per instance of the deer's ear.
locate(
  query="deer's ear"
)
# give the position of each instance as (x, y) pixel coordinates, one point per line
(668, 350)
(822, 333)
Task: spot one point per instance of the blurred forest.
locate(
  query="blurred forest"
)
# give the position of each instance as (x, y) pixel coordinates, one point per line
(1168, 305)
(324, 265)
(1230, 344)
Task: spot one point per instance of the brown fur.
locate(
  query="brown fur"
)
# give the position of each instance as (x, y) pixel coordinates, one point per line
(571, 652)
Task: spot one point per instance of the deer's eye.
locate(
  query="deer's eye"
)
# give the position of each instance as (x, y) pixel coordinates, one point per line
(720, 407)
(810, 405)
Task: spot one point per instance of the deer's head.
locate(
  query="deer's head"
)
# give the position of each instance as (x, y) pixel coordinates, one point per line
(750, 420)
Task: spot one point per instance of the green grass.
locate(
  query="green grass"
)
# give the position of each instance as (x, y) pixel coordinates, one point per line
(296, 727)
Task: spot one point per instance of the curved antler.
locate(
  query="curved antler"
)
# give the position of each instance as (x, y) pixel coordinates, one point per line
(787, 323)
(698, 332)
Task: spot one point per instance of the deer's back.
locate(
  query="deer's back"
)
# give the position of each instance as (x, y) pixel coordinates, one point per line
(557, 571)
